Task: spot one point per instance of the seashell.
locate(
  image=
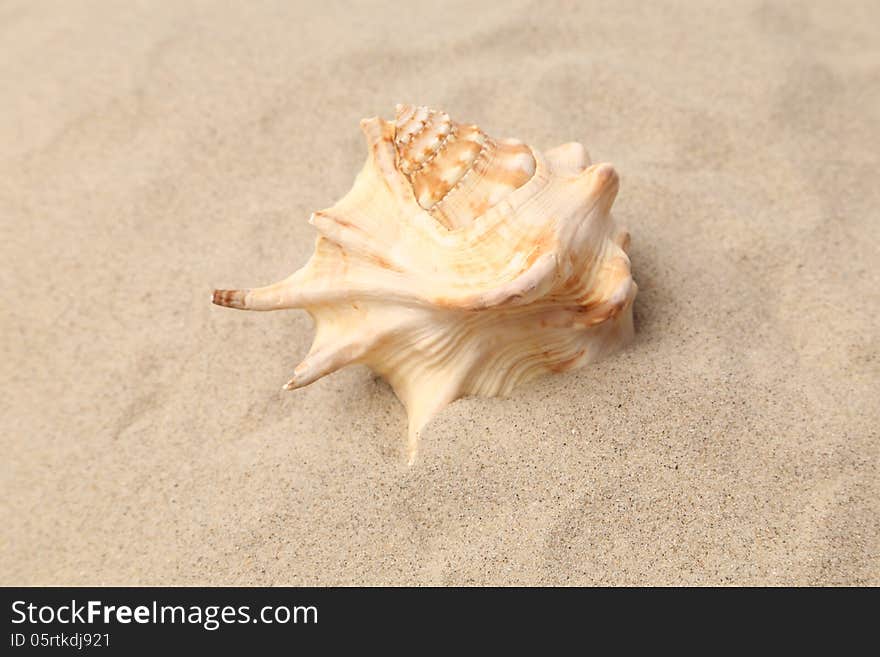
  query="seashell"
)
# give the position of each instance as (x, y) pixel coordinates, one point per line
(460, 265)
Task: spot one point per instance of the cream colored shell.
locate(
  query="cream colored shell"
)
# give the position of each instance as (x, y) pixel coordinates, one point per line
(460, 265)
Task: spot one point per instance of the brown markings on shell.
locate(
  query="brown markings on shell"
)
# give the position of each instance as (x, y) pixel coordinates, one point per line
(457, 173)
(568, 363)
(597, 311)
(501, 175)
(384, 264)
(572, 282)
(545, 243)
(229, 298)
(496, 173)
(345, 223)
(446, 302)
(438, 176)
(419, 133)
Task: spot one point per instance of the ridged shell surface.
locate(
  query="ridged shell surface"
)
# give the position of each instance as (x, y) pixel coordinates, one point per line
(456, 171)
(460, 265)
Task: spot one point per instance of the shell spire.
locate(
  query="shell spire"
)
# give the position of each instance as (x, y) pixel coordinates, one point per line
(460, 265)
(457, 172)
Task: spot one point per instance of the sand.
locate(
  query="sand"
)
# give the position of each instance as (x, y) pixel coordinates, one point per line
(153, 152)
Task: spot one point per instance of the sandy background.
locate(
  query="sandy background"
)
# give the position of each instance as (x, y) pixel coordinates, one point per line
(152, 151)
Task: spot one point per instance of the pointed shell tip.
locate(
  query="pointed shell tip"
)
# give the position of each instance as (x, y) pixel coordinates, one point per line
(229, 298)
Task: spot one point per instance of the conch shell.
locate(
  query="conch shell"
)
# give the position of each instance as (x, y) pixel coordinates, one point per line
(460, 265)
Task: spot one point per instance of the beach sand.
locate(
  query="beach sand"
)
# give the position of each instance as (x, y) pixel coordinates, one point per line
(153, 152)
